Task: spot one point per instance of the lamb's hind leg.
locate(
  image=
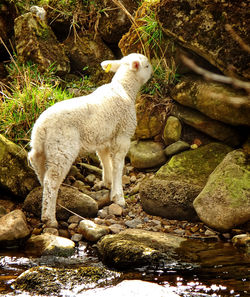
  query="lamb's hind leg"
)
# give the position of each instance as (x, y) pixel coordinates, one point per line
(118, 156)
(37, 161)
(105, 158)
(58, 163)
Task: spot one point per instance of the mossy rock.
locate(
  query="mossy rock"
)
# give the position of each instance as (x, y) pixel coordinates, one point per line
(15, 174)
(50, 281)
(201, 27)
(217, 101)
(194, 166)
(36, 42)
(150, 117)
(135, 248)
(171, 192)
(225, 200)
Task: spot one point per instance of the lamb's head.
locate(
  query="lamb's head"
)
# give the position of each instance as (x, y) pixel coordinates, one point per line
(136, 63)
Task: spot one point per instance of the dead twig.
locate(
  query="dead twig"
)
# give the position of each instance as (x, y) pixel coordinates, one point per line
(237, 38)
(216, 77)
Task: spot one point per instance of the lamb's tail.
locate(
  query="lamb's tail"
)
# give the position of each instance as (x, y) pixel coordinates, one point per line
(37, 143)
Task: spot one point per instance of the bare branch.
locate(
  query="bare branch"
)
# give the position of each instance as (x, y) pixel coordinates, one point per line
(216, 77)
(237, 38)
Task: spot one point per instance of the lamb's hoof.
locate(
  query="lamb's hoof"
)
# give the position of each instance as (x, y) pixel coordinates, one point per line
(107, 185)
(50, 223)
(121, 203)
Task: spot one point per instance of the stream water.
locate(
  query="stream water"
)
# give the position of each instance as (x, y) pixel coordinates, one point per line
(223, 271)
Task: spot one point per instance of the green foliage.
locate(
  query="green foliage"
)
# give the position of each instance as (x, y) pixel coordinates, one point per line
(163, 78)
(151, 31)
(30, 93)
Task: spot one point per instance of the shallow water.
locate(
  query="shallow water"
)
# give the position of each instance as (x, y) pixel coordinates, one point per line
(222, 271)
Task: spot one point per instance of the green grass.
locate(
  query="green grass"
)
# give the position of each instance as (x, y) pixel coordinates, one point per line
(27, 96)
(163, 78)
(151, 31)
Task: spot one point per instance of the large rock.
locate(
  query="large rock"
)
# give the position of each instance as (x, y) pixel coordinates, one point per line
(146, 154)
(15, 174)
(176, 184)
(150, 117)
(68, 197)
(225, 200)
(200, 26)
(51, 281)
(13, 228)
(216, 129)
(169, 198)
(114, 22)
(36, 42)
(219, 102)
(86, 52)
(135, 247)
(49, 244)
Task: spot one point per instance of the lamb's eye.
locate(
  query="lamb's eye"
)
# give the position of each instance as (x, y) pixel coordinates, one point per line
(147, 66)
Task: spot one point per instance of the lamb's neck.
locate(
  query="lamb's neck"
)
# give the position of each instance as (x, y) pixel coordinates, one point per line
(130, 86)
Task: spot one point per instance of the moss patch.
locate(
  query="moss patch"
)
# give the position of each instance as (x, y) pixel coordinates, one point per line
(194, 166)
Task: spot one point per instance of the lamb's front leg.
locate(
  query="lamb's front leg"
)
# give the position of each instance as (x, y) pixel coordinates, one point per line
(118, 158)
(105, 158)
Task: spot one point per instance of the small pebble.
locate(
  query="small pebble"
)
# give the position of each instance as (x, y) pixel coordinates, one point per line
(77, 237)
(53, 231)
(92, 231)
(133, 179)
(133, 223)
(116, 228)
(90, 178)
(102, 213)
(74, 219)
(125, 180)
(72, 226)
(64, 233)
(209, 233)
(115, 209)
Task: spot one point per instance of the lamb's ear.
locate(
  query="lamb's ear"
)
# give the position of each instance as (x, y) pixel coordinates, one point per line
(110, 65)
(135, 65)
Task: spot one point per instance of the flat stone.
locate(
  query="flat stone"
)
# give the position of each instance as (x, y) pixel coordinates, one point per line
(49, 244)
(133, 223)
(176, 147)
(102, 197)
(92, 231)
(76, 237)
(146, 154)
(116, 228)
(212, 127)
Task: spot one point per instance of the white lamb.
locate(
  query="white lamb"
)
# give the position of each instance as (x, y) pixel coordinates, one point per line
(103, 121)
